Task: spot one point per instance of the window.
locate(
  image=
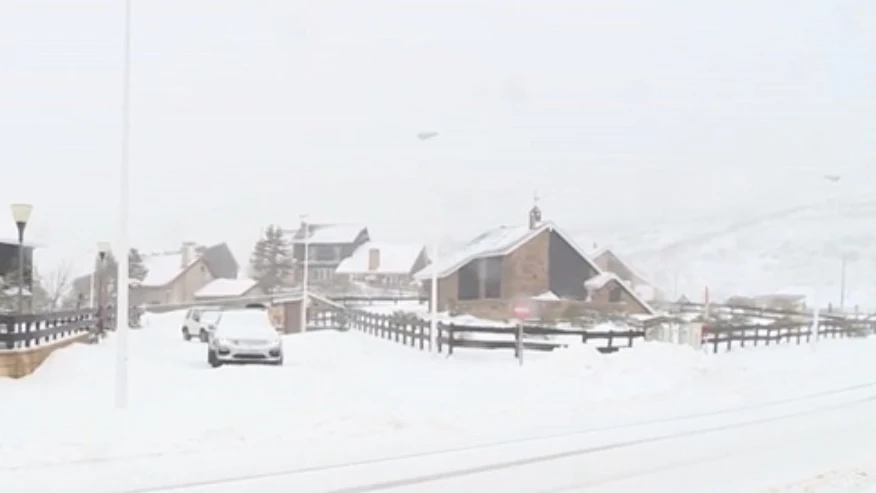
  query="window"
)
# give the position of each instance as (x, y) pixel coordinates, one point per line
(615, 295)
(491, 269)
(469, 287)
(324, 253)
(319, 274)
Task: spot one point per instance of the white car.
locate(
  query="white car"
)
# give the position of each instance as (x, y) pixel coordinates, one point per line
(199, 322)
(245, 336)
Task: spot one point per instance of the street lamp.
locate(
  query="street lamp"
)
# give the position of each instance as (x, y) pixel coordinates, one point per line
(433, 284)
(21, 215)
(103, 247)
(121, 394)
(306, 231)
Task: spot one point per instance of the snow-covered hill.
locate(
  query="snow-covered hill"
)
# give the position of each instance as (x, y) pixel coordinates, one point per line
(793, 250)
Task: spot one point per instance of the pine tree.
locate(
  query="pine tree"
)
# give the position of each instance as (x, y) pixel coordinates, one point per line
(271, 261)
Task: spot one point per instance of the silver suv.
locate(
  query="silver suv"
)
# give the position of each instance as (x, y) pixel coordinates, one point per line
(245, 336)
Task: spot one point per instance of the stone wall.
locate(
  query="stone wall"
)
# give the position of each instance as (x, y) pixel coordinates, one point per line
(525, 271)
(23, 362)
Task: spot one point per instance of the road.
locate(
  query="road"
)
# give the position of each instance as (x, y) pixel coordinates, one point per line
(743, 451)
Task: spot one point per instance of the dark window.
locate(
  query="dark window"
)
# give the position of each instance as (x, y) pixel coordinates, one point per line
(492, 274)
(469, 281)
(324, 253)
(615, 295)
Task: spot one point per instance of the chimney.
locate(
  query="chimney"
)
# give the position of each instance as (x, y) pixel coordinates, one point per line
(373, 259)
(186, 251)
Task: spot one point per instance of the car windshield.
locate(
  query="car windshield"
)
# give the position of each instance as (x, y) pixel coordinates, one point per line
(240, 323)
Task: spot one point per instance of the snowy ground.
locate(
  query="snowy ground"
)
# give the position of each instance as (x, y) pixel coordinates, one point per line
(349, 397)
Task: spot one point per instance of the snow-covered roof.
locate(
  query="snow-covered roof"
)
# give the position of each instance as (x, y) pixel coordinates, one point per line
(392, 259)
(495, 242)
(546, 296)
(163, 268)
(600, 280)
(332, 233)
(221, 288)
(608, 250)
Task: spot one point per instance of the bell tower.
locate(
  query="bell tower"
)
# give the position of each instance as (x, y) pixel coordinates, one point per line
(534, 213)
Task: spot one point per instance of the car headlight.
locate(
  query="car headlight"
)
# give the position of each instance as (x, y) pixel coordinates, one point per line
(223, 342)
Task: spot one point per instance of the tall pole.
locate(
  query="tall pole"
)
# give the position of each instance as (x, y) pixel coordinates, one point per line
(433, 284)
(433, 300)
(91, 291)
(122, 247)
(304, 295)
(842, 284)
(835, 179)
(21, 267)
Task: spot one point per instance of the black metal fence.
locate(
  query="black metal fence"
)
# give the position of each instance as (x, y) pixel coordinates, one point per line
(44, 329)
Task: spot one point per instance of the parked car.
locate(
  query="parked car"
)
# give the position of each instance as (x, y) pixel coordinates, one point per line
(199, 322)
(245, 336)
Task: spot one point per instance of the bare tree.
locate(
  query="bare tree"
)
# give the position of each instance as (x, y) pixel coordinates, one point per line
(56, 285)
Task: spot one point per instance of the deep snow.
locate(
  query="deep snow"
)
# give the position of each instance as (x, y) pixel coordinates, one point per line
(343, 397)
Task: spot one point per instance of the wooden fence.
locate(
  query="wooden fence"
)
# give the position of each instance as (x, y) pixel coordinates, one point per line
(413, 331)
(718, 334)
(728, 336)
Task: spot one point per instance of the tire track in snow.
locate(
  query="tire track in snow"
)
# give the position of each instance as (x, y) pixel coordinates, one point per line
(569, 433)
(530, 460)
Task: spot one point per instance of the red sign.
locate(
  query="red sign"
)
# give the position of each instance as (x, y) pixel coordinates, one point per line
(522, 312)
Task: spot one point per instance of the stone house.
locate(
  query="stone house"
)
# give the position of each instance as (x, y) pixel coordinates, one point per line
(508, 265)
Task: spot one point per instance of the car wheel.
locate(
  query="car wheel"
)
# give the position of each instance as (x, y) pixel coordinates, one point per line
(203, 335)
(186, 335)
(213, 360)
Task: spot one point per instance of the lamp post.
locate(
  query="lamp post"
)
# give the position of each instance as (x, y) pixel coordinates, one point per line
(433, 284)
(103, 247)
(21, 215)
(306, 231)
(835, 179)
(121, 394)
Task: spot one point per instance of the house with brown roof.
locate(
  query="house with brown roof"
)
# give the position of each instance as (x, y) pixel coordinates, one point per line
(503, 266)
(609, 261)
(173, 277)
(383, 265)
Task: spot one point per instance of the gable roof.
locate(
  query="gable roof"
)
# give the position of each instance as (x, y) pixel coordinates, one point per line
(496, 242)
(165, 268)
(220, 287)
(221, 261)
(609, 251)
(394, 259)
(603, 278)
(330, 234)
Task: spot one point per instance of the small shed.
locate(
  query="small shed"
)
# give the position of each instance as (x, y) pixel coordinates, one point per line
(286, 310)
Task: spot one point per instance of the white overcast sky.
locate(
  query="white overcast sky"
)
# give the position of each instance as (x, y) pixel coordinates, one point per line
(249, 112)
